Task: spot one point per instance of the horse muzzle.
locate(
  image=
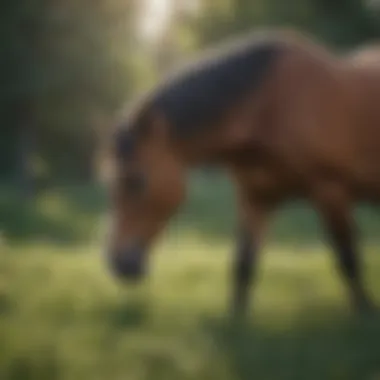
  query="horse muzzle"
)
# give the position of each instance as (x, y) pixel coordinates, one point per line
(129, 264)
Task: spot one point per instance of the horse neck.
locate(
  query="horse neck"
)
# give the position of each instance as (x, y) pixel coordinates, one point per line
(215, 147)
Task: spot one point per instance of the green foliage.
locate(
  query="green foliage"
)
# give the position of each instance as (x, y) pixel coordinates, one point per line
(67, 214)
(342, 23)
(66, 67)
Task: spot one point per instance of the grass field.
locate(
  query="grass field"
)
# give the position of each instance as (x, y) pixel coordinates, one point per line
(63, 317)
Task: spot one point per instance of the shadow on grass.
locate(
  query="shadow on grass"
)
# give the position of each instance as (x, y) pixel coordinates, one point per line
(44, 364)
(317, 346)
(125, 314)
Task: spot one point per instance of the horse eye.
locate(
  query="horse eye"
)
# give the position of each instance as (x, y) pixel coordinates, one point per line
(134, 184)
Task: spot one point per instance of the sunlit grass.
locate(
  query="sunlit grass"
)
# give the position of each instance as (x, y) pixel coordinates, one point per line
(64, 317)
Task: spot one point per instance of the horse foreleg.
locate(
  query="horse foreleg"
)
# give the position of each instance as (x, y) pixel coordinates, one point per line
(253, 219)
(335, 209)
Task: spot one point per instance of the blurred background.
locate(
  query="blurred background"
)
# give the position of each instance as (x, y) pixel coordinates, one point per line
(66, 67)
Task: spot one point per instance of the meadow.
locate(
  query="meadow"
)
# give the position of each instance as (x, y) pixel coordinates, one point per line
(62, 316)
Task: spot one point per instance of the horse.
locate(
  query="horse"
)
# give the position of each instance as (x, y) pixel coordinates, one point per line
(286, 117)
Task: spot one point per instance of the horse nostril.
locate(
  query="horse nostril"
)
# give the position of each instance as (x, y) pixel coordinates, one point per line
(129, 266)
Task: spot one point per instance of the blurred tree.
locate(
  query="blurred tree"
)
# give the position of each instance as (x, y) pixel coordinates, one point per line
(20, 29)
(65, 66)
(346, 22)
(342, 23)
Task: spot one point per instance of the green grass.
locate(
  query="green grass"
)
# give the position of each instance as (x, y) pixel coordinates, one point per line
(62, 316)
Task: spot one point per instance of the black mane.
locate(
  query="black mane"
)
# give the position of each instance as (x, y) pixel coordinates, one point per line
(198, 95)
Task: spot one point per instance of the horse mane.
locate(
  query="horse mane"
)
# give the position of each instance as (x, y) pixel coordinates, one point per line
(196, 95)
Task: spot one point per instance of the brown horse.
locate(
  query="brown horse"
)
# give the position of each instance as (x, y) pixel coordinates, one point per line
(284, 116)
